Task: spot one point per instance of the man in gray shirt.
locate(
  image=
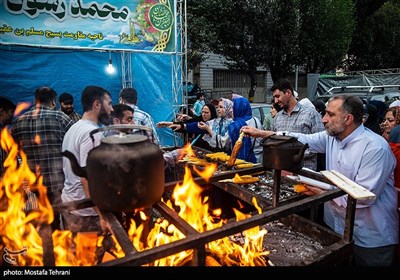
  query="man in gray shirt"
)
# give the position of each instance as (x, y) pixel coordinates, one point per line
(295, 117)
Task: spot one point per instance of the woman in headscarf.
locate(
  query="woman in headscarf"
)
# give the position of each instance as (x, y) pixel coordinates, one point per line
(251, 149)
(217, 129)
(189, 124)
(370, 118)
(213, 125)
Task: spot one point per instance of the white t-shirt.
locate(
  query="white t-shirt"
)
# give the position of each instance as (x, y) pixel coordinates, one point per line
(77, 140)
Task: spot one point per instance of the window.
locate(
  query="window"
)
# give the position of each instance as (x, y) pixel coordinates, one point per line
(231, 79)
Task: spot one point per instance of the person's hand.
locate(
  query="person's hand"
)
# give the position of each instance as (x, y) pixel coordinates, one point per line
(103, 222)
(104, 226)
(175, 126)
(250, 131)
(313, 190)
(255, 132)
(163, 124)
(182, 117)
(203, 126)
(286, 173)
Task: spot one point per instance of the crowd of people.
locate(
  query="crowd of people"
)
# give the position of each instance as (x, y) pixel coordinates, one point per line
(346, 135)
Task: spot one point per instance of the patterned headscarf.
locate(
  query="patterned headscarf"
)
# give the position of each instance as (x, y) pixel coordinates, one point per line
(220, 126)
(228, 105)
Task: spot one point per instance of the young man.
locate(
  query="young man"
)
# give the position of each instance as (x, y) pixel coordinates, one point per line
(129, 96)
(97, 108)
(295, 117)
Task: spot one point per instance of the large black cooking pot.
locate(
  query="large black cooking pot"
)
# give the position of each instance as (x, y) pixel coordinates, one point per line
(283, 152)
(125, 172)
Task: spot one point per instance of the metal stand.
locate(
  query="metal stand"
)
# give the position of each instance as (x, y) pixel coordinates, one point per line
(276, 187)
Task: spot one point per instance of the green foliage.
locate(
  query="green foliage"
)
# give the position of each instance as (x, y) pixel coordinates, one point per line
(281, 34)
(234, 29)
(376, 41)
(326, 32)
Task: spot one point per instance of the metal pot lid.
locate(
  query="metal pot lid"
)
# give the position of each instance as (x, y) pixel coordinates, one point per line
(123, 138)
(279, 141)
(283, 138)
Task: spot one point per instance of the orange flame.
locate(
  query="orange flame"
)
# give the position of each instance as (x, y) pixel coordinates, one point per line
(21, 107)
(37, 139)
(194, 209)
(20, 241)
(17, 227)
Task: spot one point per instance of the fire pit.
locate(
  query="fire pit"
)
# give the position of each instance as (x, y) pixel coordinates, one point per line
(258, 215)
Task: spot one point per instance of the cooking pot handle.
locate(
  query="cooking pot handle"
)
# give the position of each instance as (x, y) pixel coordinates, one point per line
(118, 127)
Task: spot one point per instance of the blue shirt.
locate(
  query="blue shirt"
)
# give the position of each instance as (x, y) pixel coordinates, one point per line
(366, 158)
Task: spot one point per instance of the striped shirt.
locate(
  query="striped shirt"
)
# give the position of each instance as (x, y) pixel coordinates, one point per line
(144, 119)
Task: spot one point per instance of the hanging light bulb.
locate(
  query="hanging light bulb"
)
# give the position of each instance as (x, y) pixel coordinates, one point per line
(110, 68)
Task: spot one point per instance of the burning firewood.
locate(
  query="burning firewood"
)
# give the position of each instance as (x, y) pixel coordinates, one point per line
(211, 261)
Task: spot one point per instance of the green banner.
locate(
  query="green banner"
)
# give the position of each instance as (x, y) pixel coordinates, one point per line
(130, 25)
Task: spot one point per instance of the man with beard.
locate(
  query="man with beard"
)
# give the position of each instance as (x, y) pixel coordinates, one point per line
(97, 108)
(67, 106)
(366, 158)
(295, 117)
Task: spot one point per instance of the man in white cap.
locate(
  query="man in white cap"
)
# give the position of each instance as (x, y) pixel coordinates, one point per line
(394, 103)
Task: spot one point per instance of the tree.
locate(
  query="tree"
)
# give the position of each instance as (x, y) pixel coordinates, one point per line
(234, 29)
(249, 34)
(325, 34)
(282, 31)
(280, 34)
(376, 41)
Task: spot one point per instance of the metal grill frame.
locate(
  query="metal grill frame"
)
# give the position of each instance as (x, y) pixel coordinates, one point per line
(197, 241)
